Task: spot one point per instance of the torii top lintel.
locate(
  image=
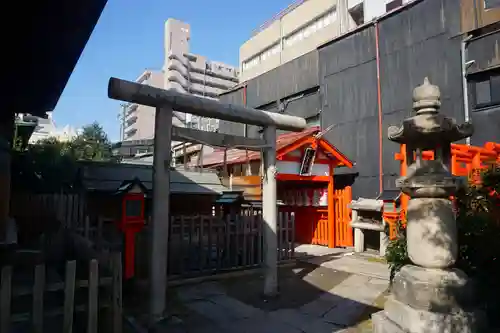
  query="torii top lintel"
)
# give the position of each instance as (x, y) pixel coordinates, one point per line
(134, 92)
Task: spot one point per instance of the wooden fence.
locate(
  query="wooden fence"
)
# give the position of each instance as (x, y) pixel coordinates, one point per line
(200, 245)
(72, 305)
(69, 209)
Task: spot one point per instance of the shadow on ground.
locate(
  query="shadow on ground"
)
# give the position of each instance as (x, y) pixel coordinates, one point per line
(311, 299)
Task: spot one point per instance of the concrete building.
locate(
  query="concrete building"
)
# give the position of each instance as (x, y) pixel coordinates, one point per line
(193, 74)
(302, 27)
(138, 121)
(47, 128)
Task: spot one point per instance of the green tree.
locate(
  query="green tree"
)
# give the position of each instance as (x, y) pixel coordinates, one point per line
(51, 164)
(92, 144)
(44, 166)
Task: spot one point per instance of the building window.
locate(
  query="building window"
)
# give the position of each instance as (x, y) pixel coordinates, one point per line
(251, 63)
(311, 28)
(486, 91)
(263, 56)
(273, 50)
(491, 4)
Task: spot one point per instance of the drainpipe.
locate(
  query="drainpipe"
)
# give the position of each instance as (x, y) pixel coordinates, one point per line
(379, 102)
(465, 65)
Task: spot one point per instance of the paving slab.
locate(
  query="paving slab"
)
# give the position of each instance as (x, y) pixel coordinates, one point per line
(347, 314)
(260, 324)
(199, 292)
(322, 305)
(359, 288)
(216, 313)
(354, 265)
(357, 293)
(316, 299)
(303, 322)
(297, 286)
(236, 307)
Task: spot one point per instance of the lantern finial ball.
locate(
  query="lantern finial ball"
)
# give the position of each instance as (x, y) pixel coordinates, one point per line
(426, 97)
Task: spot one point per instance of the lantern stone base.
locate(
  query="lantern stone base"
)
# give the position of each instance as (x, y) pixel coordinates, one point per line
(428, 301)
(401, 318)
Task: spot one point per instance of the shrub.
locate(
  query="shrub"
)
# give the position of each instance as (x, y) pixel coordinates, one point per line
(478, 225)
(396, 254)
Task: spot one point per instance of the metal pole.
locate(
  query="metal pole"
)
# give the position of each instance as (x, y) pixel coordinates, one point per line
(161, 212)
(270, 213)
(121, 117)
(463, 51)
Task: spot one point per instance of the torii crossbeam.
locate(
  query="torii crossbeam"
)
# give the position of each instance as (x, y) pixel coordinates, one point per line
(165, 101)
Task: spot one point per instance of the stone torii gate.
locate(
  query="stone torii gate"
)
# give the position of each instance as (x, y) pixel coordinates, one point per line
(165, 101)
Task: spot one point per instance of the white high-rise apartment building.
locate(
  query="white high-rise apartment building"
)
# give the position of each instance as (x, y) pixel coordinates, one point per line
(193, 74)
(184, 72)
(138, 121)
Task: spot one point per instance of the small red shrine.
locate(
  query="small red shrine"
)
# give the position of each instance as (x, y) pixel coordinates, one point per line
(306, 184)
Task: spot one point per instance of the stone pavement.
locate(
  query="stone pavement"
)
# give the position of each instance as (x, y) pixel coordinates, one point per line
(224, 308)
(355, 264)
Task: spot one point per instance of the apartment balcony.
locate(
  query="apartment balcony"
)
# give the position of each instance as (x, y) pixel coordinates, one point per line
(177, 66)
(177, 77)
(205, 90)
(223, 71)
(129, 131)
(208, 79)
(131, 108)
(130, 120)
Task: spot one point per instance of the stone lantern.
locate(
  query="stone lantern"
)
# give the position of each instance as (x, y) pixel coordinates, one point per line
(429, 296)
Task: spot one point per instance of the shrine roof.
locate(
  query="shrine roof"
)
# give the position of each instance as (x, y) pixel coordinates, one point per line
(238, 156)
(110, 177)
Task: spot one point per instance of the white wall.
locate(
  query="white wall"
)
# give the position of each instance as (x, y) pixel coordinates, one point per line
(293, 168)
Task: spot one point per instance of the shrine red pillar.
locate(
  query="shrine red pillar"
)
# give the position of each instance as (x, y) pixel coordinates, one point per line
(331, 209)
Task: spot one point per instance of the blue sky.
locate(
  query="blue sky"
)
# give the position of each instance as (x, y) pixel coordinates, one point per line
(129, 38)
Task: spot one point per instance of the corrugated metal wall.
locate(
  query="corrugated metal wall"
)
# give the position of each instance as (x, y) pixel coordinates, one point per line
(418, 43)
(349, 92)
(410, 49)
(295, 76)
(421, 40)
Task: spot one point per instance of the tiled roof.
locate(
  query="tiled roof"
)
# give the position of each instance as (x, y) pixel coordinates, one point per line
(109, 177)
(235, 156)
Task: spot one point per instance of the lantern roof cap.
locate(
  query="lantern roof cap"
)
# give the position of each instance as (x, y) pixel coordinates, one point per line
(428, 128)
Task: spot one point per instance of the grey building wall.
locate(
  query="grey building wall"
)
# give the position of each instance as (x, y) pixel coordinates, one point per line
(410, 49)
(349, 96)
(423, 39)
